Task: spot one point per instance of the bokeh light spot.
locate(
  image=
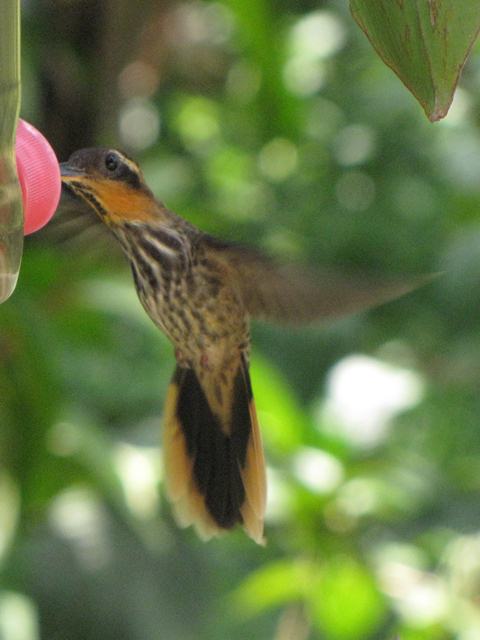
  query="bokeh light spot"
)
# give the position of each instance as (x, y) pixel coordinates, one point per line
(18, 617)
(139, 124)
(318, 470)
(355, 191)
(354, 144)
(365, 394)
(278, 159)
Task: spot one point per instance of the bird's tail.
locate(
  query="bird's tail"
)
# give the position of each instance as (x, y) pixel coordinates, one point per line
(214, 467)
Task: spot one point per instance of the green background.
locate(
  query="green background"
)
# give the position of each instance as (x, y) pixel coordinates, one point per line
(274, 124)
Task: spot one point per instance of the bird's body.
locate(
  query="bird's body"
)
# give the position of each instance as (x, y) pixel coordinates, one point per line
(201, 293)
(187, 293)
(213, 452)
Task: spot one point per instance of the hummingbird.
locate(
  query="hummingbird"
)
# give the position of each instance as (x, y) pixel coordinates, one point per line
(202, 293)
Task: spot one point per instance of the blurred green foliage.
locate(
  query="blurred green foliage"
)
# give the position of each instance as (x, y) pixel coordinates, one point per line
(273, 124)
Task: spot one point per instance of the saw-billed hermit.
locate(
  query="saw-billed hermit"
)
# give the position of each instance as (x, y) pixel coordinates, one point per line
(201, 292)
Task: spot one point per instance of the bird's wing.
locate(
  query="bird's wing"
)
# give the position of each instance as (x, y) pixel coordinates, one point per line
(292, 294)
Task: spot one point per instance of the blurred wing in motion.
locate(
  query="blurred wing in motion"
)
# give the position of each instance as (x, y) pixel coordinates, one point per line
(291, 294)
(76, 224)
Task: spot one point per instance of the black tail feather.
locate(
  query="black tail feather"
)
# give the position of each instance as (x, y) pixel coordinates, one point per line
(215, 471)
(217, 457)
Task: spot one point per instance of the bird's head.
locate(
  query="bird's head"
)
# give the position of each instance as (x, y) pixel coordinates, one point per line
(111, 184)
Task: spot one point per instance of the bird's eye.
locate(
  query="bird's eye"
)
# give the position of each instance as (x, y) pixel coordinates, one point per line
(111, 162)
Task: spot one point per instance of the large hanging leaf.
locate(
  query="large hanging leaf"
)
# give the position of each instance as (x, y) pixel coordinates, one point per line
(426, 43)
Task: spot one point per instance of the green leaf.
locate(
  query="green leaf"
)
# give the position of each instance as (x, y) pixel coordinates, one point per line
(283, 421)
(273, 585)
(426, 43)
(433, 632)
(346, 604)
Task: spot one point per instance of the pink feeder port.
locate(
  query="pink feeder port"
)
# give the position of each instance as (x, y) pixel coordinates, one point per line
(39, 175)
